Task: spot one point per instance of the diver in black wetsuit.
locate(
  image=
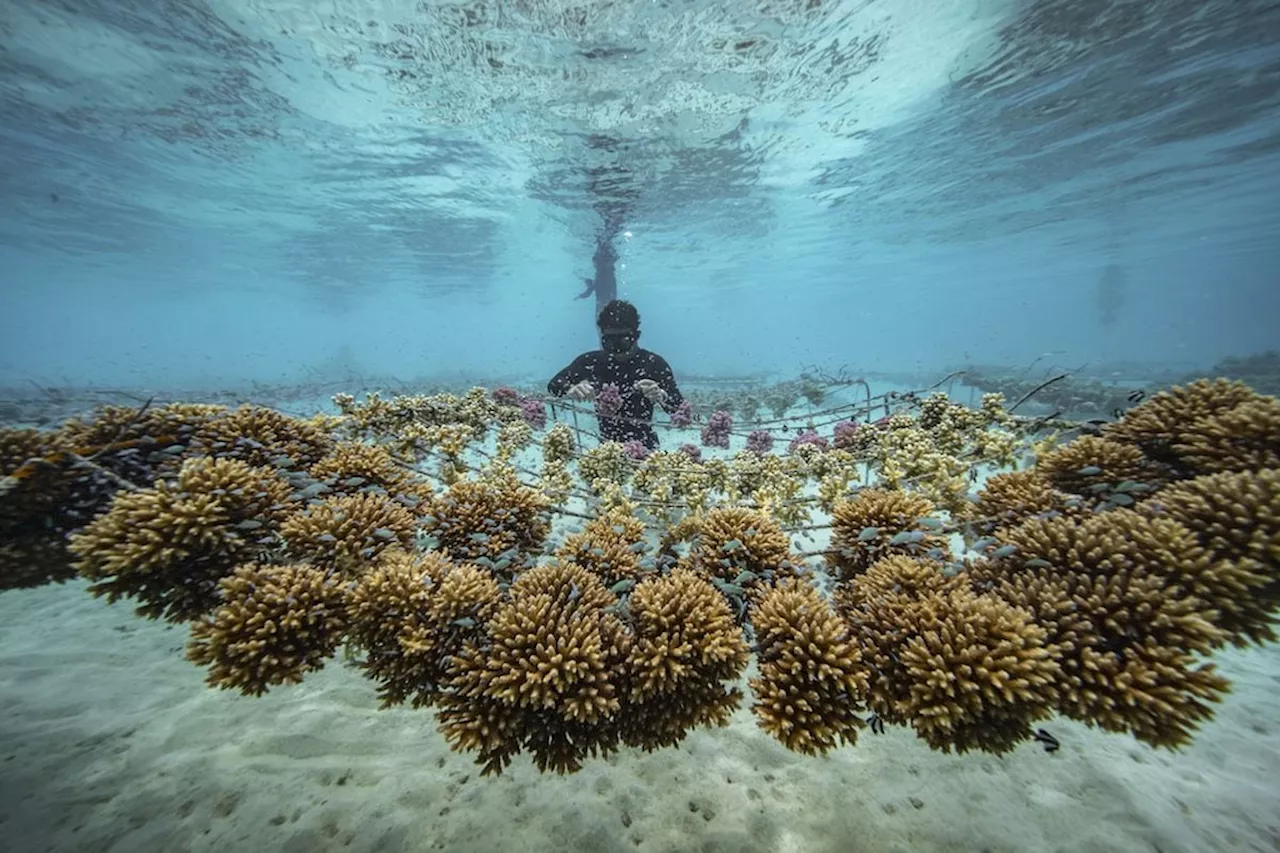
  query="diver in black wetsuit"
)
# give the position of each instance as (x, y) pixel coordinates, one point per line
(644, 378)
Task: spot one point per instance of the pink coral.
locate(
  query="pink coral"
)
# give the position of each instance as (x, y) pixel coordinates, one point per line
(608, 401)
(760, 441)
(635, 449)
(693, 451)
(810, 437)
(505, 396)
(535, 413)
(846, 435)
(716, 432)
(683, 415)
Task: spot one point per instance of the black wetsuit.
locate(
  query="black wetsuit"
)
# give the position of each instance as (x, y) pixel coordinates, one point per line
(634, 419)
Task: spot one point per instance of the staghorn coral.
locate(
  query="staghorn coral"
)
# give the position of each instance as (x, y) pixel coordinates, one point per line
(1006, 499)
(605, 464)
(274, 625)
(1235, 517)
(501, 521)
(411, 613)
(876, 523)
(263, 437)
(344, 533)
(1089, 464)
(1243, 438)
(558, 444)
(169, 546)
(685, 655)
(812, 679)
(611, 546)
(1161, 421)
(1110, 590)
(542, 676)
(734, 540)
(354, 466)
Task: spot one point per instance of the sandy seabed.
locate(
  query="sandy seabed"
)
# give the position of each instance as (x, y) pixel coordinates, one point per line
(111, 742)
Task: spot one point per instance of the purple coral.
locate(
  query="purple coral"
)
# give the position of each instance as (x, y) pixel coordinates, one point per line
(716, 432)
(693, 451)
(535, 413)
(683, 415)
(505, 396)
(760, 441)
(635, 449)
(846, 433)
(810, 437)
(608, 401)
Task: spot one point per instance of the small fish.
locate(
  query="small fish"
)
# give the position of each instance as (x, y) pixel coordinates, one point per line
(638, 548)
(1089, 471)
(314, 490)
(622, 586)
(465, 622)
(907, 537)
(866, 534)
(1121, 499)
(249, 524)
(985, 542)
(478, 537)
(327, 537)
(929, 523)
(745, 577)
(1137, 396)
(1037, 563)
(574, 592)
(727, 588)
(384, 533)
(353, 481)
(1049, 742)
(732, 545)
(1005, 551)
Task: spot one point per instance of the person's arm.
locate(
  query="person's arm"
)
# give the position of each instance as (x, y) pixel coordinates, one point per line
(579, 370)
(667, 382)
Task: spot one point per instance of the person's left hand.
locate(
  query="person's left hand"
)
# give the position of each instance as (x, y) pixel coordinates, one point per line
(651, 390)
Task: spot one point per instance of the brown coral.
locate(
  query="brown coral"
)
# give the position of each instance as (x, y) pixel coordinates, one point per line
(610, 545)
(1008, 498)
(261, 436)
(1110, 591)
(410, 614)
(1160, 422)
(497, 524)
(1243, 438)
(276, 624)
(1090, 464)
(867, 528)
(168, 546)
(1236, 518)
(812, 678)
(354, 466)
(347, 532)
(733, 540)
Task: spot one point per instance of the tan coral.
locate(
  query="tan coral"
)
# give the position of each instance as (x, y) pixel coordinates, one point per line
(1159, 422)
(347, 532)
(733, 540)
(168, 546)
(1236, 518)
(276, 624)
(1110, 591)
(499, 523)
(410, 614)
(264, 437)
(1089, 464)
(812, 680)
(354, 466)
(610, 545)
(1243, 438)
(863, 530)
(1006, 499)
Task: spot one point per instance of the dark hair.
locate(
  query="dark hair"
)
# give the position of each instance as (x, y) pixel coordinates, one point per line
(620, 314)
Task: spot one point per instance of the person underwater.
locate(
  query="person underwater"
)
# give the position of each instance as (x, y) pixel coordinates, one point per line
(643, 377)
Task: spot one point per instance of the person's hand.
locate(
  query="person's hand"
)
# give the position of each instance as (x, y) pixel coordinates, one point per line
(652, 391)
(582, 391)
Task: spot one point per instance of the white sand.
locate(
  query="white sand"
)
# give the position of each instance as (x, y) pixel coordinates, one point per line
(110, 741)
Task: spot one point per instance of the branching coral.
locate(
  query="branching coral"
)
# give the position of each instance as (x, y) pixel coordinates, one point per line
(1090, 464)
(812, 678)
(410, 614)
(261, 436)
(1235, 517)
(1243, 438)
(611, 546)
(353, 466)
(876, 523)
(500, 523)
(1008, 498)
(345, 533)
(168, 546)
(1110, 590)
(740, 545)
(274, 625)
(1162, 421)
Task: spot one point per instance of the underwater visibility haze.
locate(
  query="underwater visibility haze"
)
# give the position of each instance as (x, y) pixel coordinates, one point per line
(931, 503)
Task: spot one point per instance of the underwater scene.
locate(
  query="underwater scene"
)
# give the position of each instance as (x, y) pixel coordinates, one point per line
(640, 426)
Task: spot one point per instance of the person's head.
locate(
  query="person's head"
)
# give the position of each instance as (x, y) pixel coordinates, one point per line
(619, 324)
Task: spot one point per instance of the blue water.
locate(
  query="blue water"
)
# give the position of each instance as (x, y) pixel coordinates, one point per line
(210, 193)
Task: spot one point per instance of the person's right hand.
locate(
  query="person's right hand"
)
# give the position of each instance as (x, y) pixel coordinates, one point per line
(581, 391)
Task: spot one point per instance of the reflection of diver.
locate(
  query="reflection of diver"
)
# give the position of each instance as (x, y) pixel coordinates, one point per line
(604, 284)
(644, 378)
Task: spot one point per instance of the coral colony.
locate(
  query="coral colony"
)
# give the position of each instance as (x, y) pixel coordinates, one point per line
(397, 533)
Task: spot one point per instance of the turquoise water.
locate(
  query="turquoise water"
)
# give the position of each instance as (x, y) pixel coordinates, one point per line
(219, 192)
